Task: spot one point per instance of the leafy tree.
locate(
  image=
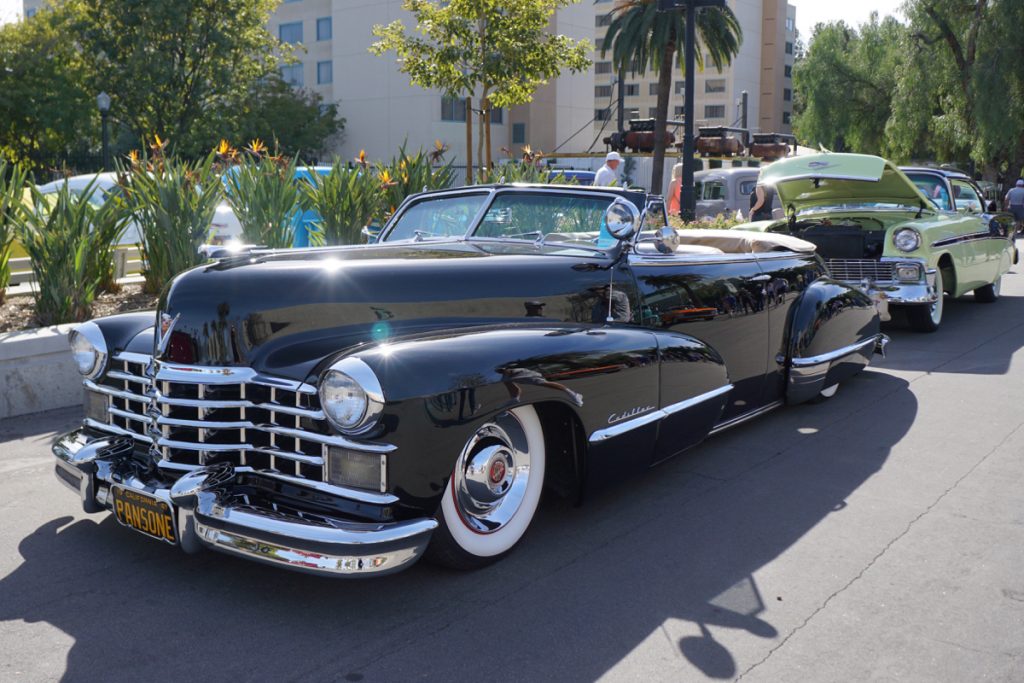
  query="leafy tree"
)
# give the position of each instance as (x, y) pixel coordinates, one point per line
(969, 54)
(641, 37)
(179, 69)
(296, 120)
(497, 50)
(47, 108)
(845, 85)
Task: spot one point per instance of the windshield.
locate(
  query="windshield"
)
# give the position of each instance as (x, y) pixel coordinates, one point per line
(934, 188)
(533, 216)
(437, 217)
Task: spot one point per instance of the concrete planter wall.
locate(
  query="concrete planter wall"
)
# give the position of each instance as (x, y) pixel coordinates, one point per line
(37, 371)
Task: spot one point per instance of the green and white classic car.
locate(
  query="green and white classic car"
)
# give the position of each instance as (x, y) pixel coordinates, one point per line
(875, 228)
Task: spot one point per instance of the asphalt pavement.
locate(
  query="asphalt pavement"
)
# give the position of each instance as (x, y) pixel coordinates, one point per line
(876, 536)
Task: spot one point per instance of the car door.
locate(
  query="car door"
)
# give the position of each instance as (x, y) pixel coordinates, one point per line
(986, 248)
(722, 300)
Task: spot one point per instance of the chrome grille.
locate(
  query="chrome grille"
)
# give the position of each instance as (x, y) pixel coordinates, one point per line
(196, 416)
(855, 270)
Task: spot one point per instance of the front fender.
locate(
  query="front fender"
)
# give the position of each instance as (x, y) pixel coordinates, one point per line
(833, 329)
(128, 332)
(439, 388)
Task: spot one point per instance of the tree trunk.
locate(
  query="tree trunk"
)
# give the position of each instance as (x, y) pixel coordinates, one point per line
(469, 140)
(480, 136)
(487, 131)
(661, 115)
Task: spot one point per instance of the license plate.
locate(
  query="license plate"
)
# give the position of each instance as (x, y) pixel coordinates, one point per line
(144, 513)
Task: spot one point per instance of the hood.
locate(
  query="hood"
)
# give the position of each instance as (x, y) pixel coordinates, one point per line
(835, 179)
(284, 313)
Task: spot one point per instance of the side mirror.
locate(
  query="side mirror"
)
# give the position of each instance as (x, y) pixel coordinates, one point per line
(622, 219)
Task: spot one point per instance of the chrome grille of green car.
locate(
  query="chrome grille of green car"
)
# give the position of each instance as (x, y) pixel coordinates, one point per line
(195, 415)
(855, 270)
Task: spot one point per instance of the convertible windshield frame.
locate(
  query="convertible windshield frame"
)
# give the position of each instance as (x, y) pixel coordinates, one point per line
(491, 194)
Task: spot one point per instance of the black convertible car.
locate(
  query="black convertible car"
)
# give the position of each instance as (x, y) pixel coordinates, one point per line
(346, 410)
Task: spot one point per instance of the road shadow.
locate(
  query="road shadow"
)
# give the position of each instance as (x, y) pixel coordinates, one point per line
(588, 586)
(45, 426)
(966, 324)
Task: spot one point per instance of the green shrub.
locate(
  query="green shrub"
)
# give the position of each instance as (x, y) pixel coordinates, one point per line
(12, 188)
(347, 199)
(67, 238)
(265, 197)
(173, 202)
(719, 222)
(408, 174)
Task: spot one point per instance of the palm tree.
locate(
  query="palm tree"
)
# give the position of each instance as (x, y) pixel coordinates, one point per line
(640, 36)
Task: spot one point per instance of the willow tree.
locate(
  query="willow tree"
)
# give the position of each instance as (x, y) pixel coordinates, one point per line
(499, 51)
(641, 37)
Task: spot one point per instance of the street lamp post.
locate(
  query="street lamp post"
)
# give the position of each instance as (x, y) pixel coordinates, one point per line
(103, 104)
(687, 200)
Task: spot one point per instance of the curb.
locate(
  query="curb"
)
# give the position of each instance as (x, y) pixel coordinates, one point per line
(37, 371)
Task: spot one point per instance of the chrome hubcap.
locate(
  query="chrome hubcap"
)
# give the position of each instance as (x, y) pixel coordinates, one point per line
(492, 474)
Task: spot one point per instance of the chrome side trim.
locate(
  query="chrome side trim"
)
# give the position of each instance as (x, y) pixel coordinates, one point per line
(690, 402)
(740, 419)
(835, 355)
(656, 415)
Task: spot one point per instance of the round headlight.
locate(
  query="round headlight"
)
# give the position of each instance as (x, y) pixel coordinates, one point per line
(89, 349)
(350, 396)
(343, 400)
(907, 239)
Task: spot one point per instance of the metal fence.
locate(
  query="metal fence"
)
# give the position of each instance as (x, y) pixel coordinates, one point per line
(127, 261)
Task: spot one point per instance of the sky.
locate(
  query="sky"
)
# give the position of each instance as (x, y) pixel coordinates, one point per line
(811, 12)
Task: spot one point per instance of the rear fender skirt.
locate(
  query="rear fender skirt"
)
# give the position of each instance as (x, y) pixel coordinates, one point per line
(833, 331)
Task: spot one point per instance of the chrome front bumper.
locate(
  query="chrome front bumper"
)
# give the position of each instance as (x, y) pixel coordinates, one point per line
(901, 293)
(206, 514)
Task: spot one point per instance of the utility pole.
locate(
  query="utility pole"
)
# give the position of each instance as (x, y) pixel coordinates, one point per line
(687, 201)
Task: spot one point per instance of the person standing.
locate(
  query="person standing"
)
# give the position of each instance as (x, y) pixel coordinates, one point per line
(761, 200)
(608, 174)
(1014, 202)
(674, 188)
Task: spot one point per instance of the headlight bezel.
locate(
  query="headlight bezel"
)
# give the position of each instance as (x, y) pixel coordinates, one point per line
(913, 233)
(91, 334)
(359, 373)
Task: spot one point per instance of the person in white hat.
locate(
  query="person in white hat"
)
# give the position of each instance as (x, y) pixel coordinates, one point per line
(608, 174)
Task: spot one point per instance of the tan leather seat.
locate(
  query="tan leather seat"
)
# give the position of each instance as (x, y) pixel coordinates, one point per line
(743, 241)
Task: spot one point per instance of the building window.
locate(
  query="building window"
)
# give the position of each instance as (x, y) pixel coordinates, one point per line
(789, 71)
(497, 116)
(652, 112)
(324, 30)
(680, 112)
(632, 89)
(292, 74)
(602, 67)
(714, 85)
(785, 117)
(603, 19)
(602, 114)
(789, 48)
(518, 133)
(325, 72)
(652, 89)
(789, 23)
(602, 91)
(787, 94)
(680, 87)
(714, 111)
(324, 109)
(291, 32)
(29, 13)
(453, 109)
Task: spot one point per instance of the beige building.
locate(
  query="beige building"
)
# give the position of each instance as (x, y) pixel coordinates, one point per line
(383, 110)
(762, 69)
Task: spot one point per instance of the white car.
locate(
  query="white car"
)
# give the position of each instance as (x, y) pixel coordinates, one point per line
(223, 227)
